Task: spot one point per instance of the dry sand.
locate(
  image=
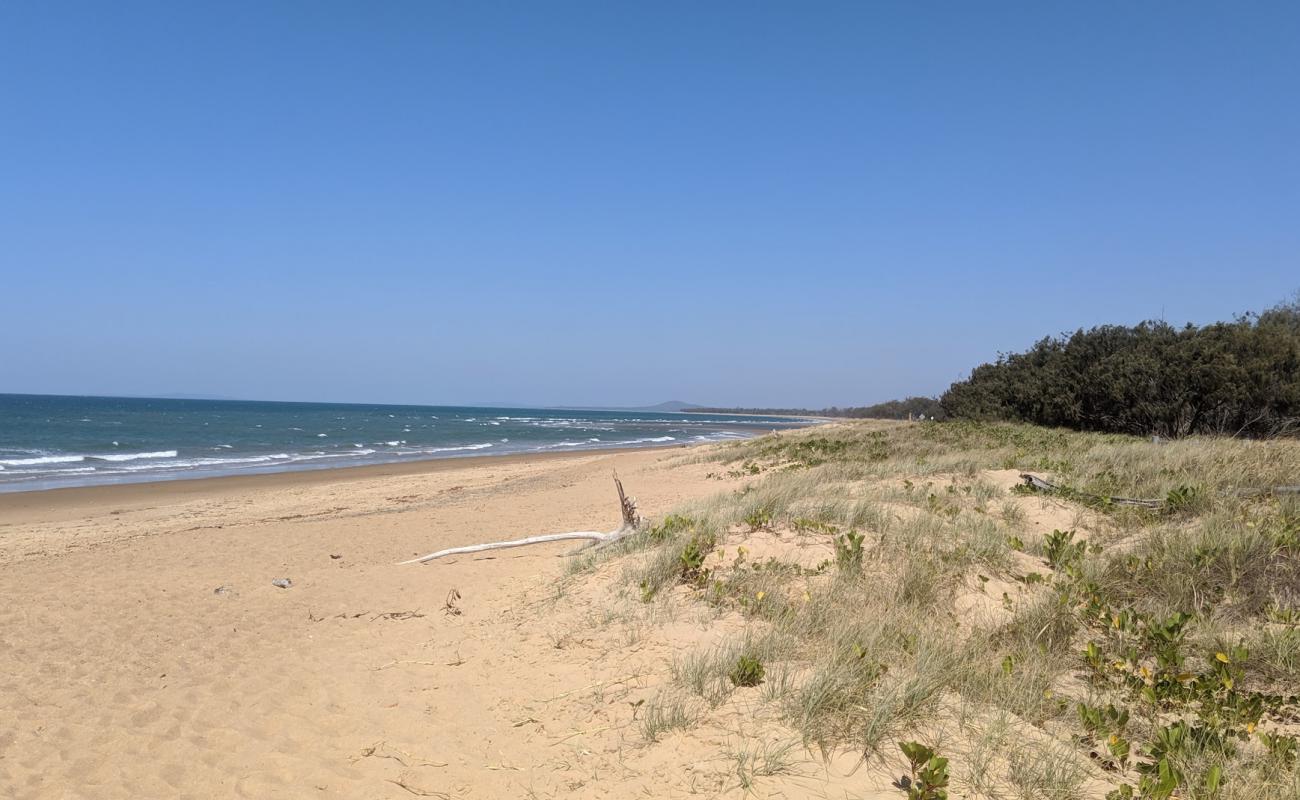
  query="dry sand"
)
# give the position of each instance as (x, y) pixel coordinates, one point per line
(124, 673)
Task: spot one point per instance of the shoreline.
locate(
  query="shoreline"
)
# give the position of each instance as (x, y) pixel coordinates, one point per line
(289, 475)
(180, 488)
(51, 447)
(164, 477)
(809, 417)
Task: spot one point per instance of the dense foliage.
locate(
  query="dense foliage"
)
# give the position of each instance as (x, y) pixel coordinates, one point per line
(1240, 377)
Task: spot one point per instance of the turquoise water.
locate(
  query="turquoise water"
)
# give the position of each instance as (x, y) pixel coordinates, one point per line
(53, 441)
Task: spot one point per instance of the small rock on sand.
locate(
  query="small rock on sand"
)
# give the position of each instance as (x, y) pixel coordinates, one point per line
(282, 583)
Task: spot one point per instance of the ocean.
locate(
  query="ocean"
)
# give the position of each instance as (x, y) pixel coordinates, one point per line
(49, 442)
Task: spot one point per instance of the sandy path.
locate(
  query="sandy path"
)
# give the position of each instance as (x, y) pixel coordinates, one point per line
(123, 675)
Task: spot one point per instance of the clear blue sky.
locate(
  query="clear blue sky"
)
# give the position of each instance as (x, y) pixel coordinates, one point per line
(617, 203)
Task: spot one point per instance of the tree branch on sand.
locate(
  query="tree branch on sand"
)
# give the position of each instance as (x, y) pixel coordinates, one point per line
(631, 523)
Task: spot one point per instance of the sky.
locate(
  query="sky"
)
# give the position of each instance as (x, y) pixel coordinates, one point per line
(731, 203)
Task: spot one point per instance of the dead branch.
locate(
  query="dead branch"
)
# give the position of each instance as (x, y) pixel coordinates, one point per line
(597, 685)
(591, 732)
(378, 750)
(449, 607)
(416, 790)
(1156, 503)
(399, 663)
(627, 508)
(1046, 486)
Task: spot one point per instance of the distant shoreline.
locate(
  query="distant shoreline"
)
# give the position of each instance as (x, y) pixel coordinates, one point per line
(49, 443)
(304, 475)
(316, 473)
(149, 489)
(810, 417)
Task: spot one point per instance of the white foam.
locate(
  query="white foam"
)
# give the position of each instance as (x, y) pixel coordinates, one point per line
(26, 462)
(206, 462)
(454, 449)
(717, 436)
(48, 473)
(316, 455)
(135, 456)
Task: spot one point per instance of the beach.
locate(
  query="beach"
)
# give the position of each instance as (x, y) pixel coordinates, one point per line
(795, 609)
(525, 401)
(145, 651)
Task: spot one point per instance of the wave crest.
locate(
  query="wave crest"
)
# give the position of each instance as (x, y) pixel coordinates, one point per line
(134, 456)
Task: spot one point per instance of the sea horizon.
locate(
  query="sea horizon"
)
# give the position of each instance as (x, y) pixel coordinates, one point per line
(62, 441)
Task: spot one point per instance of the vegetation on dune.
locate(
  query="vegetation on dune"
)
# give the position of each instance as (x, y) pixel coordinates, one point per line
(1048, 645)
(1125, 624)
(1238, 378)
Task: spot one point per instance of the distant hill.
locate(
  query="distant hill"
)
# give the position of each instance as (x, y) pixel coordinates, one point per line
(671, 405)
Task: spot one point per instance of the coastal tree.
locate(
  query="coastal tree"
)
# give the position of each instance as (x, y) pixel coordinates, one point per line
(1234, 378)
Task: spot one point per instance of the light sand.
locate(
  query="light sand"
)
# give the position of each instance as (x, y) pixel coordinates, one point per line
(123, 674)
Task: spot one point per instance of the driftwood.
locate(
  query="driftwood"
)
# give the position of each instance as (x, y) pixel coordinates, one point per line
(631, 522)
(1047, 486)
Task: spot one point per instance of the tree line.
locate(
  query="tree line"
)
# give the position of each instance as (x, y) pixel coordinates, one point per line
(1227, 378)
(893, 409)
(1237, 378)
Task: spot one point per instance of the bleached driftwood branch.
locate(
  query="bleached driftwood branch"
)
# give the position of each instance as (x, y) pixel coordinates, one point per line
(1047, 486)
(627, 507)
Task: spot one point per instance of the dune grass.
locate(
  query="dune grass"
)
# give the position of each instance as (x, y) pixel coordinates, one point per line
(1146, 652)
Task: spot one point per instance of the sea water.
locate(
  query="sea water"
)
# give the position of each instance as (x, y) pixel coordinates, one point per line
(55, 441)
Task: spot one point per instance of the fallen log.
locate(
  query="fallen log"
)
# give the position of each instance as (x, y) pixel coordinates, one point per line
(631, 523)
(1047, 486)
